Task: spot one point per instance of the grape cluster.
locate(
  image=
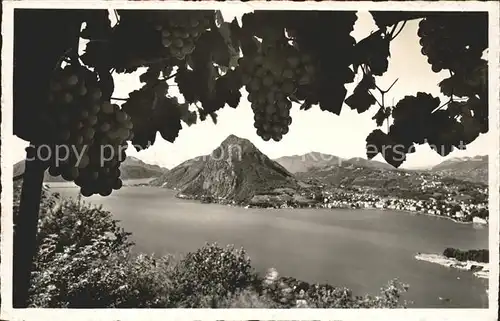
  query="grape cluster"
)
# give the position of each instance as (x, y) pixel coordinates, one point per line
(91, 133)
(450, 42)
(180, 30)
(271, 77)
(412, 116)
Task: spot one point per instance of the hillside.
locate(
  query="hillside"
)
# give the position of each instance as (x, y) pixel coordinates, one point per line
(352, 174)
(131, 168)
(362, 162)
(400, 183)
(474, 169)
(134, 168)
(236, 170)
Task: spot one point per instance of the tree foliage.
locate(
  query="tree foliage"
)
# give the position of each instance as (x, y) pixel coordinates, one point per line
(279, 57)
(468, 255)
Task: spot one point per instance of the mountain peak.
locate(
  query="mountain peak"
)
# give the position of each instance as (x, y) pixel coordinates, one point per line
(233, 139)
(235, 170)
(237, 144)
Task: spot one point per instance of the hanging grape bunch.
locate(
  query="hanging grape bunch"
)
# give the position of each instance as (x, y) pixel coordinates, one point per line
(444, 49)
(270, 78)
(91, 133)
(181, 29)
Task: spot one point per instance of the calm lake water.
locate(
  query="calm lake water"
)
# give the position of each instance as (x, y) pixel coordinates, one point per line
(359, 249)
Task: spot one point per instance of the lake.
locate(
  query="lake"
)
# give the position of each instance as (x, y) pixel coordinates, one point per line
(359, 249)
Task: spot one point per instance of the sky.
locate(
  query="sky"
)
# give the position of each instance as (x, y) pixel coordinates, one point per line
(312, 130)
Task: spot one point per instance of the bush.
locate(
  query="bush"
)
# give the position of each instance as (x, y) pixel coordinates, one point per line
(468, 255)
(86, 278)
(77, 224)
(289, 292)
(212, 273)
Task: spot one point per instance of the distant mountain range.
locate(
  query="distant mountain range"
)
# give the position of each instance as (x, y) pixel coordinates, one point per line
(309, 161)
(131, 168)
(235, 170)
(334, 169)
(465, 168)
(248, 173)
(238, 171)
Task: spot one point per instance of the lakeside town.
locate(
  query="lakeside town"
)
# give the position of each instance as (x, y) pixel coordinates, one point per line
(459, 208)
(460, 211)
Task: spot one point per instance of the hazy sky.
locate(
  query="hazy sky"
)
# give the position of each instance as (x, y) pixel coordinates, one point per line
(312, 130)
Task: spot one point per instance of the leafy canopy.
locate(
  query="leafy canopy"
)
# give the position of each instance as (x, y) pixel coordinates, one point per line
(210, 60)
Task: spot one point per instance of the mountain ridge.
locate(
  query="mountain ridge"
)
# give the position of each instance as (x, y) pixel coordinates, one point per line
(474, 169)
(235, 170)
(131, 168)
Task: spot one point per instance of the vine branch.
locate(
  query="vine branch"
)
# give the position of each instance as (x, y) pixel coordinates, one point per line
(392, 35)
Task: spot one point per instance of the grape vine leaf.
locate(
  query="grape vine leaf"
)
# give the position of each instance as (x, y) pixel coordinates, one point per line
(456, 86)
(332, 98)
(214, 118)
(479, 107)
(169, 119)
(375, 142)
(306, 105)
(381, 116)
(471, 128)
(187, 83)
(235, 31)
(219, 18)
(385, 19)
(458, 108)
(361, 99)
(187, 116)
(97, 25)
(106, 83)
(249, 44)
(374, 52)
(219, 48)
(150, 75)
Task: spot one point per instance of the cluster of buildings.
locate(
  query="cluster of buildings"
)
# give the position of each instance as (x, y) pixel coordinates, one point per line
(464, 210)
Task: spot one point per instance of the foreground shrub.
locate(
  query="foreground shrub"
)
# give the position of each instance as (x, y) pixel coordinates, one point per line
(289, 292)
(74, 223)
(87, 278)
(211, 274)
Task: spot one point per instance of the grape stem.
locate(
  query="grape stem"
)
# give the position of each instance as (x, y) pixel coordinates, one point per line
(376, 100)
(444, 104)
(393, 35)
(65, 56)
(388, 89)
(117, 16)
(160, 80)
(451, 97)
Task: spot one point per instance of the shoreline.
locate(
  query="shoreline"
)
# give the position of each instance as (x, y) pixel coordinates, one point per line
(315, 206)
(415, 213)
(428, 214)
(479, 269)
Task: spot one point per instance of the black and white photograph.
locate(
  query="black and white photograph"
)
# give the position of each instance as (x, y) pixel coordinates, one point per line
(236, 156)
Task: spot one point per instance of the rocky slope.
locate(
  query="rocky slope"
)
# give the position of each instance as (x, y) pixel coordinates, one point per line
(131, 168)
(236, 170)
